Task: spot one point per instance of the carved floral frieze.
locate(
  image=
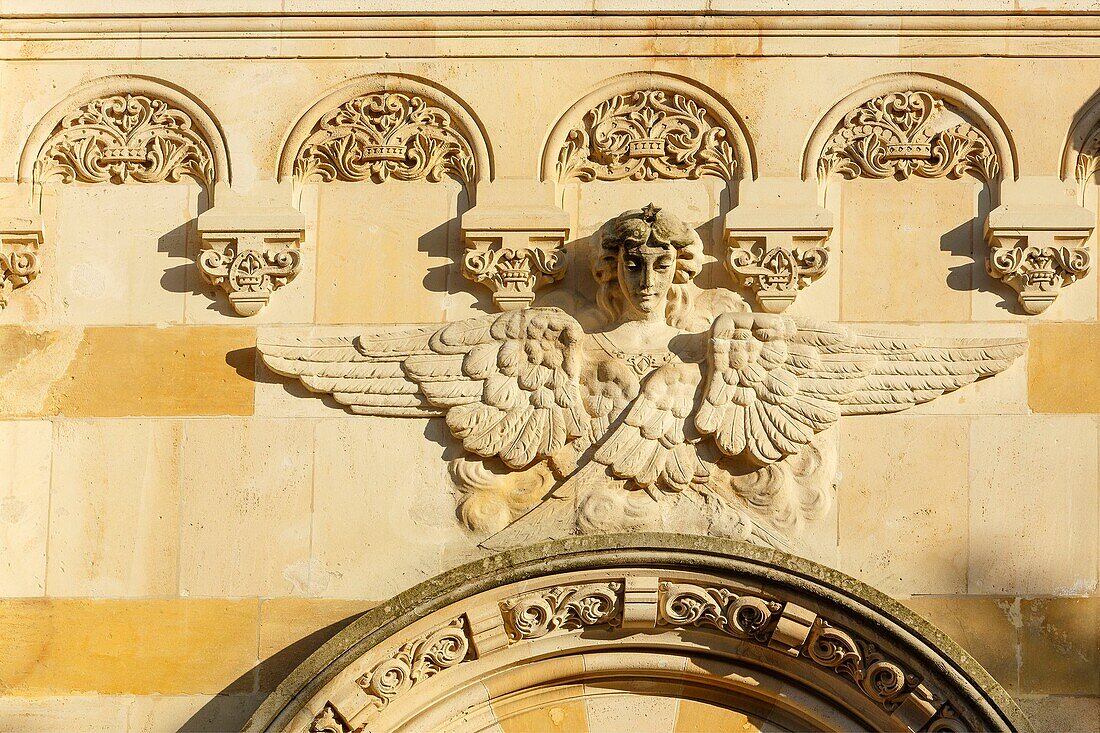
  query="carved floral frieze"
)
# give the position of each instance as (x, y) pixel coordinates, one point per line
(744, 616)
(646, 135)
(385, 135)
(125, 138)
(905, 134)
(563, 607)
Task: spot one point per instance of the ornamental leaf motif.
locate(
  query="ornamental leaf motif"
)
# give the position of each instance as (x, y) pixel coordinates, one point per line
(644, 136)
(125, 138)
(563, 607)
(881, 679)
(1088, 160)
(385, 135)
(895, 135)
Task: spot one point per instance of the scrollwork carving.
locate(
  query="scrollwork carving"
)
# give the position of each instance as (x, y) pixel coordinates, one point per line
(417, 660)
(880, 679)
(125, 138)
(1038, 273)
(644, 136)
(249, 275)
(896, 135)
(776, 274)
(739, 615)
(329, 720)
(18, 261)
(513, 274)
(385, 135)
(564, 607)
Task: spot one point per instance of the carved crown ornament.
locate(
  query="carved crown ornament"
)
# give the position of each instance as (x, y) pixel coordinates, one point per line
(905, 134)
(386, 135)
(125, 138)
(722, 426)
(646, 135)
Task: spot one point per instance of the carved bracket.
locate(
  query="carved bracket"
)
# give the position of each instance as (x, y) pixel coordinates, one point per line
(250, 253)
(20, 238)
(515, 250)
(775, 251)
(1037, 250)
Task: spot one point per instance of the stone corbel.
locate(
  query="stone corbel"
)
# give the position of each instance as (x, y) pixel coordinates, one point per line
(1038, 249)
(776, 250)
(250, 251)
(20, 238)
(514, 248)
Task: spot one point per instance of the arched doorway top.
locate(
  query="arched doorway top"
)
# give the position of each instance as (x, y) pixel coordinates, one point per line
(778, 638)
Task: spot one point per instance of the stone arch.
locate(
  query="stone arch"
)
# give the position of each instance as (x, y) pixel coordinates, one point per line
(979, 143)
(743, 630)
(717, 141)
(175, 135)
(457, 144)
(1081, 151)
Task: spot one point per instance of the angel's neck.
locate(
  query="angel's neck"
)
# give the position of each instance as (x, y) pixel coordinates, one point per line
(642, 335)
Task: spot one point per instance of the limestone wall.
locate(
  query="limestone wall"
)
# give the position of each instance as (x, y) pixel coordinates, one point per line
(175, 518)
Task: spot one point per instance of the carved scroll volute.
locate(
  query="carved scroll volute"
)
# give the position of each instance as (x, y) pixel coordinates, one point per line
(1037, 250)
(20, 239)
(645, 135)
(776, 251)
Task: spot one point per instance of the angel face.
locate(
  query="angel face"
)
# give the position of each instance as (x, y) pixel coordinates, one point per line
(645, 278)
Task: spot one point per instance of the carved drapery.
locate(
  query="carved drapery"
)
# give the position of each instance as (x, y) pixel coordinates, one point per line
(905, 134)
(647, 135)
(125, 138)
(386, 135)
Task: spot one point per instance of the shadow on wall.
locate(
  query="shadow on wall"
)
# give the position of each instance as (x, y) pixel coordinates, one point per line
(233, 706)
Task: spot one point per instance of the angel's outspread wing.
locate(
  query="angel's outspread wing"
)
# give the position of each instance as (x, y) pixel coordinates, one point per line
(508, 384)
(773, 383)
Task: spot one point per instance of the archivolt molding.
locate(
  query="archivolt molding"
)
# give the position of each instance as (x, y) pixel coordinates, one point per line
(387, 127)
(906, 125)
(752, 627)
(126, 129)
(647, 126)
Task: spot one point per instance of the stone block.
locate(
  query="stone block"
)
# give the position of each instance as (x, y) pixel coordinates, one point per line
(1033, 505)
(292, 628)
(902, 502)
(987, 628)
(1060, 646)
(1061, 713)
(114, 524)
(245, 508)
(25, 451)
(126, 647)
(1064, 367)
(84, 713)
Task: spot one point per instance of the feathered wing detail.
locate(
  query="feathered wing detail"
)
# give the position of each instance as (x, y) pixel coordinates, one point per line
(509, 383)
(655, 444)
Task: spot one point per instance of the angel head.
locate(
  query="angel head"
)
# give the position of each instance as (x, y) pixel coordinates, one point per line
(644, 263)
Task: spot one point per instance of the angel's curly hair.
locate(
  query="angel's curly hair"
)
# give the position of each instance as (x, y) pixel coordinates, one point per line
(631, 230)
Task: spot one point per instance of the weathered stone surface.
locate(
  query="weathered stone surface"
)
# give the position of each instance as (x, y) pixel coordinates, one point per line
(26, 448)
(1063, 369)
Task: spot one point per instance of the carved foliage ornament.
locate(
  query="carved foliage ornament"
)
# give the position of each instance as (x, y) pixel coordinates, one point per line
(18, 261)
(647, 135)
(125, 138)
(385, 135)
(513, 273)
(1088, 160)
(563, 607)
(902, 134)
(739, 615)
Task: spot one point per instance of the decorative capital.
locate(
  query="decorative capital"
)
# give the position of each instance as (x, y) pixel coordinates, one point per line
(775, 251)
(1037, 250)
(515, 250)
(20, 238)
(250, 253)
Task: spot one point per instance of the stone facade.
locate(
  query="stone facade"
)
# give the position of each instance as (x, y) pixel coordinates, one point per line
(181, 188)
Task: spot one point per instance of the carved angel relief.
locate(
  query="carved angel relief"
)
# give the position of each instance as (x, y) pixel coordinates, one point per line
(385, 135)
(651, 422)
(125, 138)
(905, 134)
(647, 135)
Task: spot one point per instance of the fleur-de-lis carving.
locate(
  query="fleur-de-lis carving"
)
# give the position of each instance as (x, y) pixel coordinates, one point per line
(644, 136)
(125, 138)
(385, 135)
